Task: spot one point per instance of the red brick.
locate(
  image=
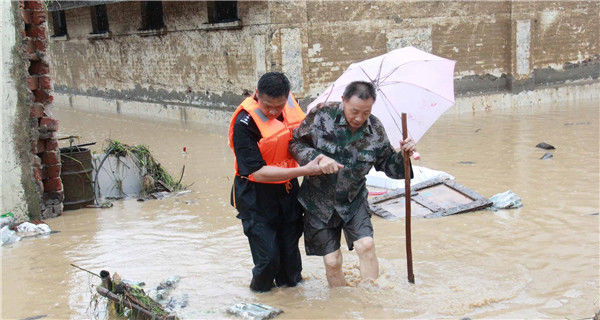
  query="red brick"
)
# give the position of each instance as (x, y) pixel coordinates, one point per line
(27, 16)
(39, 68)
(34, 5)
(42, 96)
(50, 158)
(53, 184)
(49, 124)
(37, 32)
(50, 172)
(51, 145)
(32, 83)
(41, 45)
(38, 17)
(40, 146)
(45, 82)
(36, 111)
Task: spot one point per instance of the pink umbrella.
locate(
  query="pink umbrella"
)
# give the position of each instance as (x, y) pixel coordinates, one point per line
(407, 80)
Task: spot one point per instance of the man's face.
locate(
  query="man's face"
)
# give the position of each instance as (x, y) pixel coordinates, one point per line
(271, 106)
(357, 111)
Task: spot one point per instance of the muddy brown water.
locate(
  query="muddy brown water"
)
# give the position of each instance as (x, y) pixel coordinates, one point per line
(540, 261)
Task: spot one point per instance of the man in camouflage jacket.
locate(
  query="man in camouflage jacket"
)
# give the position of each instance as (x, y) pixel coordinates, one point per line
(351, 141)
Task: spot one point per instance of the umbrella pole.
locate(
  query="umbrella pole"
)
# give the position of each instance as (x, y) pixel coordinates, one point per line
(406, 156)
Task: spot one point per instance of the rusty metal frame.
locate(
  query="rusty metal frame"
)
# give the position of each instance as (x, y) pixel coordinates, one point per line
(479, 202)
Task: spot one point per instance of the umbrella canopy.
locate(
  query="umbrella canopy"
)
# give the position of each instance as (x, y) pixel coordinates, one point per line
(407, 80)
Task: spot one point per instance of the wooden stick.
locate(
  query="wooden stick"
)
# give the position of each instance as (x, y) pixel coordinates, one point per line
(111, 296)
(88, 271)
(406, 156)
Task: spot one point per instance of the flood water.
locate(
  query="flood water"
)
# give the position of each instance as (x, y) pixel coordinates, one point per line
(539, 261)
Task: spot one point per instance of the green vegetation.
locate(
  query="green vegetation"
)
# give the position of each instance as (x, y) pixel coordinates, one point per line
(146, 162)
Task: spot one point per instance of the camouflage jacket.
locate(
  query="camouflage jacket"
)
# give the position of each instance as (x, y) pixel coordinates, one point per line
(325, 130)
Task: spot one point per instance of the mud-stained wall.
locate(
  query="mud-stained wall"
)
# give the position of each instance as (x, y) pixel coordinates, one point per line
(19, 193)
(498, 45)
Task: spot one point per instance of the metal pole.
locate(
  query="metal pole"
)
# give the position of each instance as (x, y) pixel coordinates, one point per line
(406, 156)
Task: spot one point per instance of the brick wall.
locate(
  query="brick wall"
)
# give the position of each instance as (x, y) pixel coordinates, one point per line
(45, 154)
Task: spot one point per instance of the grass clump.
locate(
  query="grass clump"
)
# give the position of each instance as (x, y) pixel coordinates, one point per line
(148, 165)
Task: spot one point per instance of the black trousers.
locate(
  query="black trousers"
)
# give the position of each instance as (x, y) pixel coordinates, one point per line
(275, 253)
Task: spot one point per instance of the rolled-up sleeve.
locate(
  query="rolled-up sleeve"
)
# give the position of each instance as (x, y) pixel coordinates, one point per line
(245, 145)
(391, 162)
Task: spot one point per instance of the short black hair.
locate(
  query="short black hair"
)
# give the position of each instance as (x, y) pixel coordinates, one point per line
(362, 89)
(274, 84)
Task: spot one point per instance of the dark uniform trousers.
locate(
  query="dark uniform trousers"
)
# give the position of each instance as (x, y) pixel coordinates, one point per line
(275, 253)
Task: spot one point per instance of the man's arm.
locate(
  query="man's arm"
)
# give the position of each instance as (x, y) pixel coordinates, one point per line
(272, 174)
(250, 161)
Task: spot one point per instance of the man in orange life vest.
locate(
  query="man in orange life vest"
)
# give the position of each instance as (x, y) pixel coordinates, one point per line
(265, 186)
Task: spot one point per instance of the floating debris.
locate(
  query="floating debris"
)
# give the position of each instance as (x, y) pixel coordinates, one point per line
(131, 171)
(506, 200)
(543, 145)
(437, 197)
(254, 311)
(128, 299)
(547, 156)
(8, 236)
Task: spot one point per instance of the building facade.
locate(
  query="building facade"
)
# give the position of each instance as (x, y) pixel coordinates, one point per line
(168, 58)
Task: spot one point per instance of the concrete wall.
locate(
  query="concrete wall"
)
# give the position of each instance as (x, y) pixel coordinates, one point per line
(18, 193)
(500, 47)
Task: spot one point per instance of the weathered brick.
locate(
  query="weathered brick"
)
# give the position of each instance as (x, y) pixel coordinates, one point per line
(42, 96)
(36, 111)
(50, 158)
(40, 44)
(27, 16)
(38, 17)
(52, 184)
(51, 209)
(32, 83)
(45, 82)
(54, 195)
(50, 172)
(45, 134)
(51, 144)
(39, 68)
(49, 124)
(34, 5)
(37, 32)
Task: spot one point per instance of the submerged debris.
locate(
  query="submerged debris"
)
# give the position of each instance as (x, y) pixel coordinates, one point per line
(128, 299)
(254, 311)
(154, 177)
(543, 145)
(506, 200)
(12, 232)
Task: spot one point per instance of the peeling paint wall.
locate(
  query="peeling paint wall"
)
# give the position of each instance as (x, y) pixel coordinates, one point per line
(498, 45)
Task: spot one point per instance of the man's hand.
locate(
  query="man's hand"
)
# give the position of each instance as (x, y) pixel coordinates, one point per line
(409, 146)
(313, 166)
(329, 165)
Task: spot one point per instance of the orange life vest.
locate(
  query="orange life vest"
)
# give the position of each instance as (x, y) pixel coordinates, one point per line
(276, 134)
